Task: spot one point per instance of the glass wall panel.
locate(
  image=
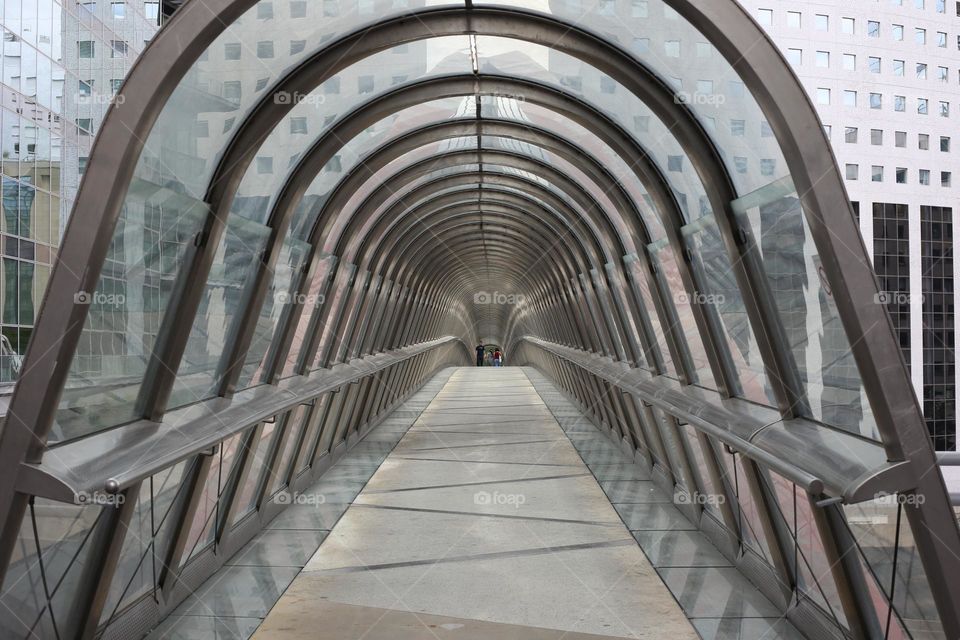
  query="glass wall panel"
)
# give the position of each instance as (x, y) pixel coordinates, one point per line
(224, 297)
(293, 428)
(145, 541)
(668, 274)
(722, 300)
(203, 529)
(316, 293)
(889, 549)
(248, 494)
(45, 569)
(276, 304)
(152, 241)
(819, 345)
(641, 289)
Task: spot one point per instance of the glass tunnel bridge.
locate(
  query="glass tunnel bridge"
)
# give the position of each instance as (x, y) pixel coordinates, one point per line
(266, 260)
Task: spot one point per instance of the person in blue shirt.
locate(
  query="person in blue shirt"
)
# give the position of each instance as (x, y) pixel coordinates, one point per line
(480, 350)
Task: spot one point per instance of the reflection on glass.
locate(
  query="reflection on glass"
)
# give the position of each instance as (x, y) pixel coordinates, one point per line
(723, 302)
(224, 298)
(46, 568)
(821, 351)
(886, 540)
(668, 275)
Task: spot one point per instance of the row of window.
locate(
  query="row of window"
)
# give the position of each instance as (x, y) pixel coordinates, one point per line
(875, 101)
(118, 9)
(877, 175)
(848, 26)
(851, 135)
(875, 65)
(87, 49)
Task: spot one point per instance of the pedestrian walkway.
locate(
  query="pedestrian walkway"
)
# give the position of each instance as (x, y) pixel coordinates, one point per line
(493, 509)
(485, 522)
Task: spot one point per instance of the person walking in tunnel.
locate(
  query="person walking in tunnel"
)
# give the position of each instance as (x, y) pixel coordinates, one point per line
(480, 350)
(497, 358)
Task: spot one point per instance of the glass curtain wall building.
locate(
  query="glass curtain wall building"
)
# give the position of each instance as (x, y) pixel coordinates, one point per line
(63, 62)
(886, 82)
(298, 212)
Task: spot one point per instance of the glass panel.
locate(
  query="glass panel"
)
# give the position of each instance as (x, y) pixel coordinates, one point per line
(722, 300)
(312, 304)
(682, 57)
(327, 426)
(713, 498)
(641, 290)
(668, 273)
(283, 289)
(885, 538)
(203, 529)
(293, 426)
(248, 496)
(144, 545)
(803, 298)
(224, 297)
(331, 308)
(305, 456)
(45, 568)
(152, 240)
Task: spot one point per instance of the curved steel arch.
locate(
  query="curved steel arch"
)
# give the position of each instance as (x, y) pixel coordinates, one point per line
(792, 118)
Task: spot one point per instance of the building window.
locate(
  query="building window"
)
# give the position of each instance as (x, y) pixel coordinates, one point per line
(873, 29)
(850, 135)
(640, 9)
(151, 10)
(876, 137)
(765, 17)
(232, 91)
(740, 163)
(795, 57)
(853, 171)
(876, 173)
(118, 49)
(672, 48)
(945, 178)
(115, 84)
(264, 10)
(737, 128)
(897, 31)
(768, 167)
(924, 177)
(923, 106)
(849, 62)
(793, 19)
(944, 109)
(900, 139)
(674, 163)
(297, 46)
(923, 141)
(920, 36)
(86, 88)
(332, 86)
(874, 63)
(899, 67)
(876, 100)
(365, 84)
(607, 85)
(231, 51)
(823, 95)
(822, 22)
(298, 8)
(943, 74)
(939, 382)
(901, 175)
(921, 71)
(85, 124)
(265, 49)
(86, 49)
(945, 144)
(849, 98)
(899, 103)
(942, 39)
(264, 164)
(891, 251)
(298, 125)
(823, 59)
(119, 10)
(847, 25)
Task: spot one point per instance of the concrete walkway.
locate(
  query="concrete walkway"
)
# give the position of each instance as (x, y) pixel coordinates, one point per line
(483, 522)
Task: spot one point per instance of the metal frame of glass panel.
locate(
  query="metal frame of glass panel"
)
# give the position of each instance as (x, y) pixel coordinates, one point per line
(404, 259)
